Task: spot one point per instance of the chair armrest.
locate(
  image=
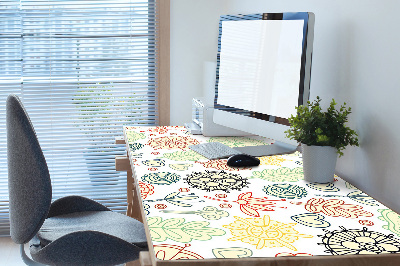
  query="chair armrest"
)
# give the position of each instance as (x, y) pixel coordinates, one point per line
(72, 204)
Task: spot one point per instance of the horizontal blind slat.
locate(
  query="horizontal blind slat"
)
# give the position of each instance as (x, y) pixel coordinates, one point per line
(83, 69)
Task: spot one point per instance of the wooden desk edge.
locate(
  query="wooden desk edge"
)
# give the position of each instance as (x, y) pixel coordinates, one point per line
(148, 258)
(151, 253)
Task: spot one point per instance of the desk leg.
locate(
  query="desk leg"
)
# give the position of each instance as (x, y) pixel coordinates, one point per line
(133, 198)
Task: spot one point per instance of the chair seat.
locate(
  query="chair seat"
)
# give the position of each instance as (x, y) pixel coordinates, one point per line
(108, 222)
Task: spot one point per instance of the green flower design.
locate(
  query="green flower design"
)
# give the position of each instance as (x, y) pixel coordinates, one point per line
(134, 136)
(163, 178)
(177, 229)
(180, 156)
(393, 220)
(237, 141)
(283, 174)
(350, 186)
(285, 191)
(136, 146)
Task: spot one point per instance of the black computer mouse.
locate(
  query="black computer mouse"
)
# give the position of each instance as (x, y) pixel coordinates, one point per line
(239, 160)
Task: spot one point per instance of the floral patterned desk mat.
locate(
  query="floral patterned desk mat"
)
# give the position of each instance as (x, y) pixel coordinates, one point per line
(199, 209)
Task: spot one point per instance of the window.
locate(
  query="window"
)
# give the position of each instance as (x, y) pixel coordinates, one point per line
(82, 69)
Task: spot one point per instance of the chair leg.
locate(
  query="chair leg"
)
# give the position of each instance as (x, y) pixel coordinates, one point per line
(26, 259)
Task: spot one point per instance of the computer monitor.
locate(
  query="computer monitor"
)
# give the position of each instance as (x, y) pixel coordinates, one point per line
(263, 73)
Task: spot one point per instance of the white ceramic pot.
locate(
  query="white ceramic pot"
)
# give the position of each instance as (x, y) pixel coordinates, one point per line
(319, 163)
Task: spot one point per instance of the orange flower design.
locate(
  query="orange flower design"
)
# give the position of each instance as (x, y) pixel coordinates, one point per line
(145, 189)
(335, 208)
(251, 206)
(160, 129)
(169, 143)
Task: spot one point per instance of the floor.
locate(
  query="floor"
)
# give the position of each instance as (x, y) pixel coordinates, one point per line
(9, 253)
(10, 256)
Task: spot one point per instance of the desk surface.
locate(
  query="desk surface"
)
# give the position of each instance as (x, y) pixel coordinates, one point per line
(202, 209)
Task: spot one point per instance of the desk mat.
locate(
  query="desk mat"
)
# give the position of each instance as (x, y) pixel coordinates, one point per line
(200, 209)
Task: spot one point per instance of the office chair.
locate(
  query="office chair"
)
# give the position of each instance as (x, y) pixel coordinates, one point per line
(70, 231)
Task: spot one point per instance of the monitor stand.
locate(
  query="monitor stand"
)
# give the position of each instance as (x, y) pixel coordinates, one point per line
(276, 148)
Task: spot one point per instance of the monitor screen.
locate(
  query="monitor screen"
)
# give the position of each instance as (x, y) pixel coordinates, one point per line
(260, 63)
(263, 71)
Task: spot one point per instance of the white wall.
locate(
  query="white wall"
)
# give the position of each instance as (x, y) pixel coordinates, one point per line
(356, 60)
(194, 41)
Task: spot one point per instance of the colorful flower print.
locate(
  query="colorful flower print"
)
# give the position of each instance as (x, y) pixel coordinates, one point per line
(174, 252)
(314, 220)
(145, 189)
(285, 191)
(177, 229)
(154, 162)
(335, 208)
(271, 160)
(134, 136)
(283, 174)
(392, 219)
(325, 187)
(163, 178)
(208, 213)
(362, 198)
(213, 180)
(182, 156)
(169, 143)
(232, 253)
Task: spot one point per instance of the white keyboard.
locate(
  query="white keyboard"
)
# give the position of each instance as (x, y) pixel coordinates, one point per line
(214, 150)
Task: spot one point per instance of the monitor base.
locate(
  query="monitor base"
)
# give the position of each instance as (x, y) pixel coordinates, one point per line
(276, 148)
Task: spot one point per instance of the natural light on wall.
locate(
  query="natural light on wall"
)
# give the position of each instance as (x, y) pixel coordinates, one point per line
(82, 69)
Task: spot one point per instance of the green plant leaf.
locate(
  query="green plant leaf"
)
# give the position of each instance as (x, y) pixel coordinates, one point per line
(312, 126)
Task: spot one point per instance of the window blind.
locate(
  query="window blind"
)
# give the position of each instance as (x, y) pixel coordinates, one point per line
(83, 69)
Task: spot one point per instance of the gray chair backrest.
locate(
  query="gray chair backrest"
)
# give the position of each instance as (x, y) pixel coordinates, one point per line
(29, 183)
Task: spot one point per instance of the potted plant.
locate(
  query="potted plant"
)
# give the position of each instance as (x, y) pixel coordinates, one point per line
(323, 135)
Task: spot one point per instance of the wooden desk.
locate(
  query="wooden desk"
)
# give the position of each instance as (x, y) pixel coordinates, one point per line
(201, 211)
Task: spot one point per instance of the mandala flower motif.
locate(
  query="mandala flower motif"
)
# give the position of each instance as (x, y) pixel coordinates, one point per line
(171, 142)
(286, 191)
(335, 208)
(283, 174)
(356, 241)
(264, 232)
